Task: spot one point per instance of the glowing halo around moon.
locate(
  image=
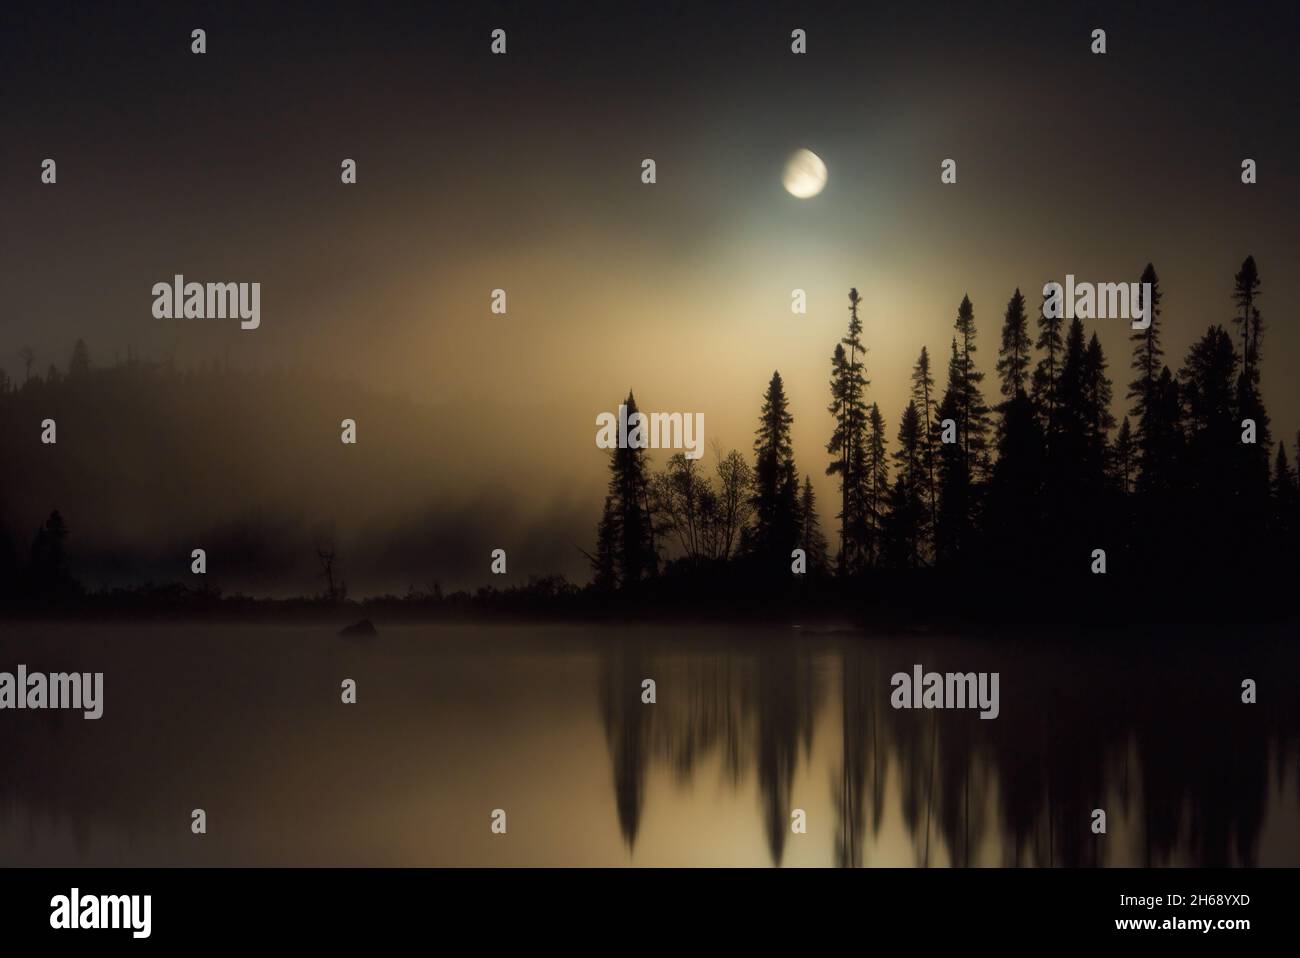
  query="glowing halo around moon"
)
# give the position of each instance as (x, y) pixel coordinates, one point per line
(805, 174)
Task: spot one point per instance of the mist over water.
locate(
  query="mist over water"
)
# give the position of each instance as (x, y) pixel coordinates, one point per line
(547, 723)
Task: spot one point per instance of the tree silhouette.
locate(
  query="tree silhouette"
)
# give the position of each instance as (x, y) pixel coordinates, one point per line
(954, 529)
(923, 398)
(1213, 436)
(48, 578)
(1012, 499)
(876, 484)
(839, 446)
(848, 440)
(776, 481)
(1013, 357)
(1144, 390)
(686, 506)
(1098, 419)
(735, 479)
(973, 420)
(626, 552)
(704, 522)
(908, 516)
(1048, 371)
(1246, 289)
(811, 539)
(1253, 458)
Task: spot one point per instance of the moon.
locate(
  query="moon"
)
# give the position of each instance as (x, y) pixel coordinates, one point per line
(805, 174)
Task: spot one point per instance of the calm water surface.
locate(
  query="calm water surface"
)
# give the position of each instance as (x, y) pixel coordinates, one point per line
(547, 723)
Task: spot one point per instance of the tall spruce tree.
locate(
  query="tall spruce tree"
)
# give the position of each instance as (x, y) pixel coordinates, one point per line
(1098, 419)
(811, 539)
(908, 513)
(876, 483)
(1048, 371)
(973, 419)
(1254, 458)
(1010, 518)
(625, 545)
(1013, 357)
(1070, 504)
(1152, 428)
(840, 446)
(924, 398)
(848, 440)
(776, 481)
(1209, 378)
(953, 528)
(1250, 327)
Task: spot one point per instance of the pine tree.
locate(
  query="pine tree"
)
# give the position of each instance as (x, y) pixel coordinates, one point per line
(848, 406)
(1097, 415)
(626, 552)
(1048, 371)
(840, 447)
(48, 577)
(811, 539)
(973, 419)
(1013, 357)
(1071, 396)
(953, 527)
(1152, 429)
(1209, 379)
(908, 514)
(1250, 402)
(1246, 288)
(876, 482)
(923, 398)
(1069, 504)
(776, 482)
(1164, 447)
(1011, 502)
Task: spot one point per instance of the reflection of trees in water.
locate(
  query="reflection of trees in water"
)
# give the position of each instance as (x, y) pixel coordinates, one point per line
(860, 776)
(785, 706)
(1183, 770)
(753, 710)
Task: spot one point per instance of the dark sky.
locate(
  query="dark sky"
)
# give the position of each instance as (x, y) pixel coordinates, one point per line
(479, 171)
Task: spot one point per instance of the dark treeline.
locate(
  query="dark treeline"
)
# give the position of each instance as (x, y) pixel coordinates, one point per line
(1001, 500)
(979, 507)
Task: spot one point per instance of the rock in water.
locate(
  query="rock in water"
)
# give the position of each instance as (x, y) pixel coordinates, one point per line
(364, 627)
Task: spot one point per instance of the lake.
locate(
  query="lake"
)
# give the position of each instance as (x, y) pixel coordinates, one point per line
(750, 727)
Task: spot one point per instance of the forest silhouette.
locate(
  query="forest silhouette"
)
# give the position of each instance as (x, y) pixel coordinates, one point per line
(972, 507)
(1025, 488)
